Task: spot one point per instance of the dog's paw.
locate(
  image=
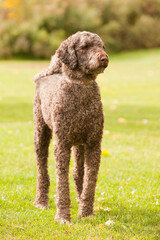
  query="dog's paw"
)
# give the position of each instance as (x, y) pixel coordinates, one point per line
(40, 205)
(62, 220)
(86, 215)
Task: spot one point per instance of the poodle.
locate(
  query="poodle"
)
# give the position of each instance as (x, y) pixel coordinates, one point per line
(68, 105)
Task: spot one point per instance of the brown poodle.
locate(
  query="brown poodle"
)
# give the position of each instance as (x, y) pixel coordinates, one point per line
(67, 103)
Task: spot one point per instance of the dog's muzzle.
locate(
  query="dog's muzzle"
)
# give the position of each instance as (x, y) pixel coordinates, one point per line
(103, 60)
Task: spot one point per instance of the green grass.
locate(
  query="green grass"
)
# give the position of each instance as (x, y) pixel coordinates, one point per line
(129, 178)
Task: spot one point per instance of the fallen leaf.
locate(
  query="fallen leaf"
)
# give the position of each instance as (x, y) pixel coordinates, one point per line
(105, 153)
(19, 227)
(98, 208)
(101, 226)
(100, 199)
(123, 181)
(107, 132)
(138, 123)
(10, 132)
(70, 224)
(117, 137)
(145, 121)
(113, 107)
(121, 120)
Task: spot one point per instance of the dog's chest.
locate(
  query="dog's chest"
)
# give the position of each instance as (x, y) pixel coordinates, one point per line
(80, 103)
(74, 108)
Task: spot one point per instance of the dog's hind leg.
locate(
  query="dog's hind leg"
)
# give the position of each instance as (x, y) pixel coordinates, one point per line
(78, 173)
(91, 167)
(42, 136)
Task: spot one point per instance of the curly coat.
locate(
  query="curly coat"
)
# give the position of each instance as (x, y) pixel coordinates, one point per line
(67, 103)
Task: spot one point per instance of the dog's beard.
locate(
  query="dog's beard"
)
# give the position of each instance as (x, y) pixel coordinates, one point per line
(96, 70)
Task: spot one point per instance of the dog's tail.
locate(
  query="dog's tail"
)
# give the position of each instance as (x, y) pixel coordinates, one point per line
(54, 67)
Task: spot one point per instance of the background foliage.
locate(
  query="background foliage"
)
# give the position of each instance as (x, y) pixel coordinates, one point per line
(35, 28)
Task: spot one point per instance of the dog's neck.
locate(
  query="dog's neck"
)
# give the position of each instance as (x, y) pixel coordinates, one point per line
(78, 77)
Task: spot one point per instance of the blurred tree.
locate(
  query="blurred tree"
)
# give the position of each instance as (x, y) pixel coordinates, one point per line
(17, 10)
(37, 27)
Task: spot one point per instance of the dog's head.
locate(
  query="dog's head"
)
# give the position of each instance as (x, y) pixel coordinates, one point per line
(84, 51)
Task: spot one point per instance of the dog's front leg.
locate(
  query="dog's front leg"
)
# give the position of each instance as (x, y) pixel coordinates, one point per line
(78, 154)
(62, 156)
(91, 167)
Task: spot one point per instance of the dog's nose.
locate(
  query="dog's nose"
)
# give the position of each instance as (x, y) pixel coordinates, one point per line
(104, 59)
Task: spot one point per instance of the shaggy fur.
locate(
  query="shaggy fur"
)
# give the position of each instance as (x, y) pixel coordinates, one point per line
(67, 103)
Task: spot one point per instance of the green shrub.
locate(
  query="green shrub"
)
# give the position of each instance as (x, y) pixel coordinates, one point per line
(122, 24)
(146, 32)
(110, 34)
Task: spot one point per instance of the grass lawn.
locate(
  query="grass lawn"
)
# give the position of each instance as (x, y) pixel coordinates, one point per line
(128, 187)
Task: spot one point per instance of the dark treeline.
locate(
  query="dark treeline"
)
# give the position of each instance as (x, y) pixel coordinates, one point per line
(35, 28)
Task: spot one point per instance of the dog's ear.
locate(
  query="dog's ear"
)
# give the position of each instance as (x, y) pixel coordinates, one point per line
(66, 52)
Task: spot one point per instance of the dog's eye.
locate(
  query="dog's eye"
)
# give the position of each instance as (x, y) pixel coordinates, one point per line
(85, 47)
(104, 48)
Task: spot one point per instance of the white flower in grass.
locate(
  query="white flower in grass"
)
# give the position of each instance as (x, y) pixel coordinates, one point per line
(3, 198)
(107, 209)
(133, 191)
(109, 223)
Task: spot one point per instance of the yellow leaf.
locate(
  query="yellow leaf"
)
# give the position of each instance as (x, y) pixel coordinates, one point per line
(123, 181)
(117, 137)
(101, 226)
(105, 153)
(100, 199)
(98, 208)
(10, 132)
(10, 3)
(137, 123)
